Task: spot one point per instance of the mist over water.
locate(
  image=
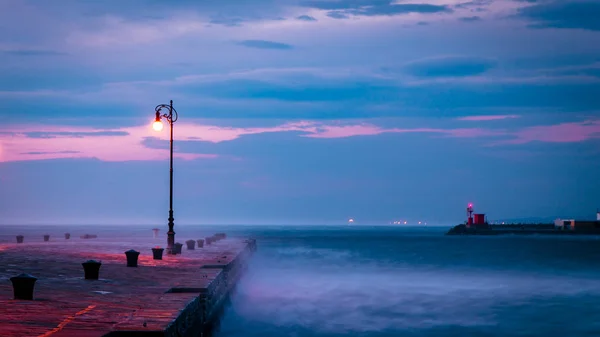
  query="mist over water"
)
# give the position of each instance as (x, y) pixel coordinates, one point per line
(390, 281)
(386, 281)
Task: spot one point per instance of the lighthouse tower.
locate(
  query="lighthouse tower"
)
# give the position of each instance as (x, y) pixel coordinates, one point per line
(470, 216)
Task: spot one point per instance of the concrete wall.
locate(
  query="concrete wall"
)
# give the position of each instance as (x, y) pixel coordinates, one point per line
(203, 312)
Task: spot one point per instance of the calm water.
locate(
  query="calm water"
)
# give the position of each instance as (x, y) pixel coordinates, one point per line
(386, 281)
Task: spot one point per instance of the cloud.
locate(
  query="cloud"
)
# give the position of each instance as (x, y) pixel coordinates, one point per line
(50, 153)
(306, 18)
(338, 15)
(558, 133)
(455, 66)
(81, 142)
(470, 19)
(580, 14)
(142, 143)
(71, 134)
(344, 8)
(487, 118)
(397, 9)
(31, 52)
(474, 3)
(264, 44)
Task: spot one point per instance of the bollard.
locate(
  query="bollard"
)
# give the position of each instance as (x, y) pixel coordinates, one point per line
(200, 243)
(221, 236)
(157, 253)
(23, 286)
(67, 236)
(208, 240)
(91, 269)
(191, 244)
(132, 258)
(46, 237)
(177, 248)
(20, 238)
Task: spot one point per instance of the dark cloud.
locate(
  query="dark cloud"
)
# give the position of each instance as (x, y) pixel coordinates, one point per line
(355, 98)
(32, 52)
(401, 9)
(474, 3)
(343, 4)
(264, 44)
(337, 15)
(563, 14)
(470, 19)
(343, 8)
(449, 67)
(306, 18)
(227, 21)
(75, 134)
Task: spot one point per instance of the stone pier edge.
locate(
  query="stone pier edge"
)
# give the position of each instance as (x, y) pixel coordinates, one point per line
(203, 312)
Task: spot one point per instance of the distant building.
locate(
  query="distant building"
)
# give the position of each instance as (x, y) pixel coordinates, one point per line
(577, 225)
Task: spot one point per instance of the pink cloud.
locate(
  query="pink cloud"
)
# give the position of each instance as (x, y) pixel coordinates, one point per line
(15, 145)
(487, 118)
(559, 133)
(127, 144)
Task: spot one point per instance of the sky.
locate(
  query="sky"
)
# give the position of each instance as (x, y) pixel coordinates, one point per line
(299, 111)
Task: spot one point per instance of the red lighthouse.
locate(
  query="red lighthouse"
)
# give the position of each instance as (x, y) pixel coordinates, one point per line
(475, 220)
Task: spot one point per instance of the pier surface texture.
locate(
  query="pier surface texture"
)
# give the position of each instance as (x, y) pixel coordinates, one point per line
(180, 295)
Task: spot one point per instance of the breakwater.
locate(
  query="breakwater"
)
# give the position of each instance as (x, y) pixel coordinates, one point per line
(181, 295)
(517, 229)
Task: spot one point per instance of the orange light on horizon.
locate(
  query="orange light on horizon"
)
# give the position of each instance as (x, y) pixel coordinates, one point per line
(157, 126)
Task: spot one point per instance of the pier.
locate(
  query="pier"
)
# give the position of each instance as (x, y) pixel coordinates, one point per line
(180, 295)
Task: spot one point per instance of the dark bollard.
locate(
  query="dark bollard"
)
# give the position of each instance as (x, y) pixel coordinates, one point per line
(157, 253)
(91, 269)
(191, 244)
(132, 258)
(221, 236)
(177, 248)
(23, 286)
(200, 243)
(208, 240)
(20, 238)
(67, 236)
(46, 237)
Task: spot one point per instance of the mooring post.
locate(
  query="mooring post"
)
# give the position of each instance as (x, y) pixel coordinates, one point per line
(23, 285)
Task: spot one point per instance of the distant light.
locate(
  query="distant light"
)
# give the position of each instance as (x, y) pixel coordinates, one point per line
(405, 222)
(419, 222)
(351, 220)
(157, 126)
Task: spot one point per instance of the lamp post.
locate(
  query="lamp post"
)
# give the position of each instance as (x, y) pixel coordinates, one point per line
(171, 117)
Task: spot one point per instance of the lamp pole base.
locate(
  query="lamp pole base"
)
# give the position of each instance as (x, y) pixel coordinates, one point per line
(170, 242)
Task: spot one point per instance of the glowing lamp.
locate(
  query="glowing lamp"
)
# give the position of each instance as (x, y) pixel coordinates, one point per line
(157, 125)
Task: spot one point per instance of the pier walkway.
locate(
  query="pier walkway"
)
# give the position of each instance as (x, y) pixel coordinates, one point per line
(178, 296)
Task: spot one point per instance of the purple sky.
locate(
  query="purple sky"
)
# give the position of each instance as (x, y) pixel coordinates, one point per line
(300, 112)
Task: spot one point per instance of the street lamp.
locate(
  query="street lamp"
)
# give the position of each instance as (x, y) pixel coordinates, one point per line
(171, 117)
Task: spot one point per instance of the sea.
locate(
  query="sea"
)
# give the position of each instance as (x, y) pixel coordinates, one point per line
(376, 281)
